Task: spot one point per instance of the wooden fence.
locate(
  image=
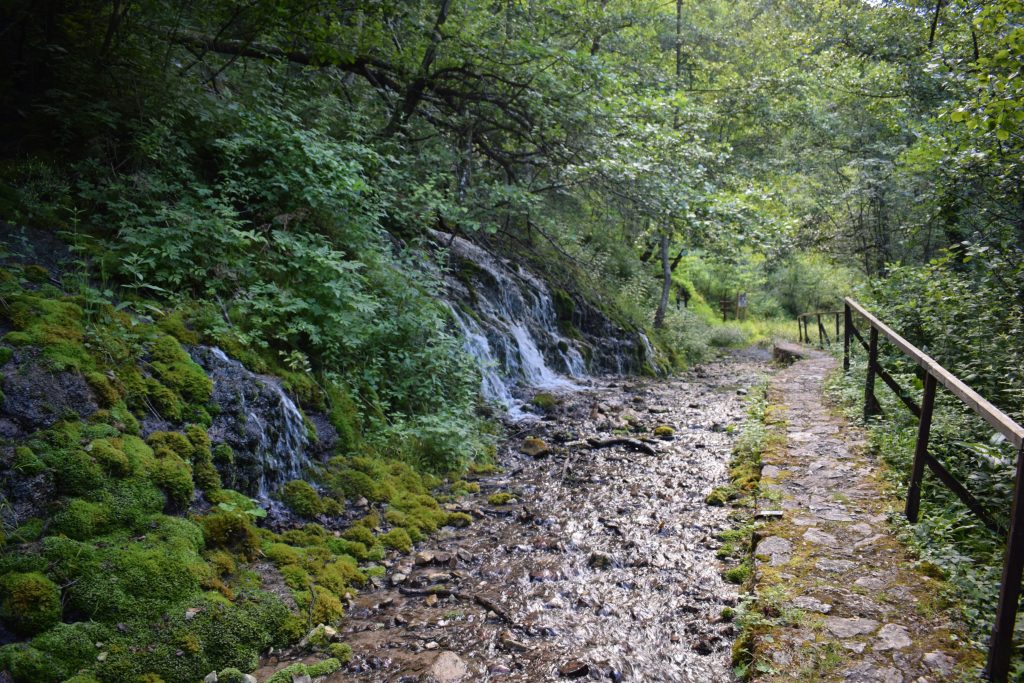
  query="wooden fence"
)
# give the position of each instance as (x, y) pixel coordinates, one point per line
(1000, 647)
(805, 321)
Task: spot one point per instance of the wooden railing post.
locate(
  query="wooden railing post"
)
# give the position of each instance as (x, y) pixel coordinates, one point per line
(924, 427)
(847, 334)
(998, 667)
(871, 406)
(821, 342)
(837, 325)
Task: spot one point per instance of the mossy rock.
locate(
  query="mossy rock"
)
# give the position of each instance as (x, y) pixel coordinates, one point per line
(534, 447)
(500, 498)
(30, 603)
(544, 401)
(718, 496)
(664, 432)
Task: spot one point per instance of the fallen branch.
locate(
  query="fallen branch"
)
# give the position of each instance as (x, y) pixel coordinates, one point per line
(596, 443)
(484, 602)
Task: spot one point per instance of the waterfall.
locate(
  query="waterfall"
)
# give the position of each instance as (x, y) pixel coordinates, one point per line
(260, 422)
(510, 326)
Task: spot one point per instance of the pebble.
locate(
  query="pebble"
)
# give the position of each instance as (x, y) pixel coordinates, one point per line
(448, 667)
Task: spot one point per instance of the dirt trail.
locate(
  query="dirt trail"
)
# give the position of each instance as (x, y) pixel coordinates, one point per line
(603, 564)
(842, 598)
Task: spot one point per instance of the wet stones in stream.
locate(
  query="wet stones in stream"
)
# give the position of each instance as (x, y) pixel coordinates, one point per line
(602, 565)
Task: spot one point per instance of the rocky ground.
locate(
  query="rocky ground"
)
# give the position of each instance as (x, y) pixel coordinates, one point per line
(601, 563)
(841, 599)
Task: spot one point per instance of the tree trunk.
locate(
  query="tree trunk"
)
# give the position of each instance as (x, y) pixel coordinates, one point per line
(666, 284)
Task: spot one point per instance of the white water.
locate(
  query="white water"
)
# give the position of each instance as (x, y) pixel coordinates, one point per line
(281, 437)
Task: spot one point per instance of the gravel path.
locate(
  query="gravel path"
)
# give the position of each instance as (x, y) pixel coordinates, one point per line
(842, 599)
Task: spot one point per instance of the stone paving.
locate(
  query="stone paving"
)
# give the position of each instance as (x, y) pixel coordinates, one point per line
(842, 599)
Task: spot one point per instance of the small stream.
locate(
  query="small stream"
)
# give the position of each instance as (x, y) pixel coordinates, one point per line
(602, 567)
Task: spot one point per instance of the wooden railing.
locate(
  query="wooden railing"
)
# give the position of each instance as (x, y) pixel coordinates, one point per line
(803, 322)
(1000, 647)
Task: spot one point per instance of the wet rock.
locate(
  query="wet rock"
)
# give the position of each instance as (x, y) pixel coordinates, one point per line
(892, 637)
(431, 600)
(498, 670)
(35, 398)
(534, 447)
(599, 560)
(850, 627)
(510, 644)
(448, 667)
(398, 578)
(302, 678)
(574, 669)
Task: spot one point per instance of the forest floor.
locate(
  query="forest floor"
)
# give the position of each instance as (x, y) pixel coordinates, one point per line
(841, 598)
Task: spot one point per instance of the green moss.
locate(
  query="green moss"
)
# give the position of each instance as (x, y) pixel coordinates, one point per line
(544, 401)
(5, 354)
(30, 602)
(324, 668)
(565, 307)
(164, 401)
(111, 458)
(29, 530)
(26, 462)
(36, 273)
(500, 498)
(360, 534)
(664, 432)
(82, 519)
(320, 605)
(179, 372)
(302, 499)
(283, 554)
(223, 455)
(459, 519)
(738, 574)
(340, 651)
(719, 496)
(397, 539)
(233, 531)
(204, 473)
(173, 323)
(174, 476)
(75, 471)
(102, 388)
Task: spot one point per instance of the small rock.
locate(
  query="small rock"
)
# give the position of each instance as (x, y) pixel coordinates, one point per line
(448, 667)
(806, 602)
(361, 502)
(424, 557)
(835, 566)
(398, 578)
(870, 583)
(507, 642)
(301, 678)
(191, 613)
(939, 662)
(534, 447)
(498, 670)
(718, 427)
(815, 535)
(848, 628)
(574, 669)
(431, 600)
(102, 657)
(776, 548)
(210, 677)
(248, 678)
(432, 645)
(892, 637)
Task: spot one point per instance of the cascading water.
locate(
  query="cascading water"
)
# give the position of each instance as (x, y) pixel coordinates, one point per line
(263, 426)
(510, 325)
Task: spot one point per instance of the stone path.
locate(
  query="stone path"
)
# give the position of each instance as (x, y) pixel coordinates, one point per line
(840, 598)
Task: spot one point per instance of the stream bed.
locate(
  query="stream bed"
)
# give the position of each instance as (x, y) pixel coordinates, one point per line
(602, 566)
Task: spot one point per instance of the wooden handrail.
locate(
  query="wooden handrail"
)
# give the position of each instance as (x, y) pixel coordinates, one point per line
(999, 420)
(1001, 645)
